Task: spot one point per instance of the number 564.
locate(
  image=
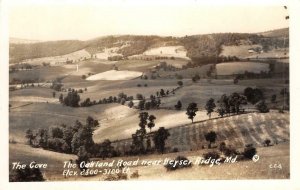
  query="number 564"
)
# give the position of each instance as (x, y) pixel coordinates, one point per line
(275, 166)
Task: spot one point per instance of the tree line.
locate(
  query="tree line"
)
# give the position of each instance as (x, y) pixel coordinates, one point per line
(229, 104)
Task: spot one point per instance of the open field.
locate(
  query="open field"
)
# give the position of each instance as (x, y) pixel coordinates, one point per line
(277, 53)
(236, 131)
(115, 75)
(186, 73)
(240, 51)
(240, 68)
(115, 117)
(57, 60)
(108, 52)
(240, 170)
(169, 51)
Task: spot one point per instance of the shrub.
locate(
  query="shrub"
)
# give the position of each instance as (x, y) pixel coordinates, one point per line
(57, 86)
(175, 149)
(273, 98)
(130, 104)
(181, 159)
(253, 95)
(123, 101)
(249, 151)
(72, 99)
(230, 151)
(262, 107)
(211, 155)
(210, 137)
(26, 175)
(222, 146)
(135, 174)
(12, 141)
(267, 142)
(139, 96)
(116, 177)
(180, 83)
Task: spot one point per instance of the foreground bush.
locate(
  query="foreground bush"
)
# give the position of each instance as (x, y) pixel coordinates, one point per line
(211, 155)
(249, 151)
(135, 174)
(116, 177)
(228, 150)
(185, 163)
(26, 175)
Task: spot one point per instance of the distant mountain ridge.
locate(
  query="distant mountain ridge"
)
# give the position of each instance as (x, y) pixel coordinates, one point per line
(284, 32)
(198, 46)
(22, 41)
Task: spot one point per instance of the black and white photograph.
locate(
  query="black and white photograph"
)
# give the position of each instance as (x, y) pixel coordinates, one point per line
(126, 91)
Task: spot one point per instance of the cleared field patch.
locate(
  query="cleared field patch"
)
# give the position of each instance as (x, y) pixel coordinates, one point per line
(170, 51)
(40, 92)
(237, 131)
(33, 95)
(103, 89)
(44, 115)
(187, 73)
(122, 126)
(136, 65)
(231, 68)
(115, 75)
(74, 56)
(240, 51)
(109, 52)
(41, 73)
(200, 92)
(275, 53)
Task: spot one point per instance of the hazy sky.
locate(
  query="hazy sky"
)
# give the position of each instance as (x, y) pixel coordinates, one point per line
(57, 22)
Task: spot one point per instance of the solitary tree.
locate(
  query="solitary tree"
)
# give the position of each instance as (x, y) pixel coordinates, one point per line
(151, 123)
(147, 105)
(235, 101)
(29, 136)
(273, 98)
(130, 104)
(139, 96)
(210, 106)
(159, 139)
(211, 137)
(178, 105)
(180, 83)
(141, 104)
(162, 93)
(191, 111)
(262, 107)
(61, 98)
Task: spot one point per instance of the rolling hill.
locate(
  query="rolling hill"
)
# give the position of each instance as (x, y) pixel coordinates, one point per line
(198, 47)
